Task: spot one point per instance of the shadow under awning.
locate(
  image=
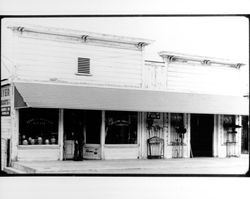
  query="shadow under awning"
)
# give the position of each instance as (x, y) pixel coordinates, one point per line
(44, 95)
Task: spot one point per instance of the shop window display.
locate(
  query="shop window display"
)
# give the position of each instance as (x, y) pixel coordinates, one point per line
(121, 127)
(177, 128)
(38, 126)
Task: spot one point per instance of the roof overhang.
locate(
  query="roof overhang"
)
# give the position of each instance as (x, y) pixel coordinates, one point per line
(41, 95)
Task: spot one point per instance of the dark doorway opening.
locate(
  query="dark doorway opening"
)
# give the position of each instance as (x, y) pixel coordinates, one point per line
(73, 134)
(93, 120)
(202, 126)
(245, 135)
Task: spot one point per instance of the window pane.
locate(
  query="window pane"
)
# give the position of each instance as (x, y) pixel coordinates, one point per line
(177, 121)
(38, 126)
(121, 127)
(93, 127)
(73, 123)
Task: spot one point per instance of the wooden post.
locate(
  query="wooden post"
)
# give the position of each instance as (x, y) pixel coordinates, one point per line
(60, 134)
(165, 133)
(239, 132)
(170, 148)
(144, 135)
(187, 139)
(14, 126)
(215, 135)
(221, 145)
(139, 134)
(102, 135)
(14, 135)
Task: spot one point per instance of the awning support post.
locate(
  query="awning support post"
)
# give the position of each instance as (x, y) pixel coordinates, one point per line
(60, 134)
(102, 135)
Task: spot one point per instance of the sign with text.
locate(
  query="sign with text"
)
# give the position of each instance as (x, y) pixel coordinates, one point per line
(5, 111)
(153, 115)
(5, 101)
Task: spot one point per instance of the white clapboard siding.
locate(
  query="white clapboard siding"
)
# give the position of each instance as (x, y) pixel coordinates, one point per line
(199, 78)
(38, 153)
(3, 153)
(7, 60)
(155, 76)
(43, 59)
(5, 127)
(186, 77)
(121, 152)
(5, 134)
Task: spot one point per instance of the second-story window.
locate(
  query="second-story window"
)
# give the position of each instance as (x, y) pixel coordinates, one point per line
(83, 66)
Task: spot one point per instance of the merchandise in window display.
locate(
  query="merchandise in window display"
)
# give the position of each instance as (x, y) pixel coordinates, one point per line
(38, 126)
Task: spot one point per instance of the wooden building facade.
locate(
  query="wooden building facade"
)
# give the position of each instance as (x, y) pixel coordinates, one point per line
(63, 82)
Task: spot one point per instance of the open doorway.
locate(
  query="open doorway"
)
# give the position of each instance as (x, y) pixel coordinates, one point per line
(73, 128)
(202, 126)
(245, 135)
(82, 130)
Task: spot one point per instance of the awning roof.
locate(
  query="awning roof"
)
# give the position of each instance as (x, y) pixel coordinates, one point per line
(98, 98)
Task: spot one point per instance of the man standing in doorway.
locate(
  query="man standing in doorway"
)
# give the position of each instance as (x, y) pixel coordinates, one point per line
(78, 138)
(78, 141)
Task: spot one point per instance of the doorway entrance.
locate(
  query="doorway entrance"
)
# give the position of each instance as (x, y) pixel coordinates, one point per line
(73, 130)
(244, 135)
(202, 126)
(82, 129)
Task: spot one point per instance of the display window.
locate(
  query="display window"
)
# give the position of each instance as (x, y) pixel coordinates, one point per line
(229, 125)
(120, 127)
(38, 126)
(177, 128)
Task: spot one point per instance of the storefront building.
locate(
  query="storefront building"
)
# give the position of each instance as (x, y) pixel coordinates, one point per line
(98, 88)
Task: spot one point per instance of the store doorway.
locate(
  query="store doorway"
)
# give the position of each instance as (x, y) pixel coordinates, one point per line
(82, 130)
(92, 135)
(202, 126)
(73, 129)
(245, 135)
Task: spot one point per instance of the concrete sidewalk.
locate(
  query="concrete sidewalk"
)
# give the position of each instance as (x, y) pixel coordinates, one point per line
(158, 166)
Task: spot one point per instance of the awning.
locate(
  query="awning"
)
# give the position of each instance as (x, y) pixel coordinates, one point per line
(41, 95)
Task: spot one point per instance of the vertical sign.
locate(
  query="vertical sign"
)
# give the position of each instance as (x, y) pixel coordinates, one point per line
(5, 100)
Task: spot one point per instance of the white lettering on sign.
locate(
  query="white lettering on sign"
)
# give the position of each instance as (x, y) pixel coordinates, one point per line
(5, 111)
(5, 100)
(5, 91)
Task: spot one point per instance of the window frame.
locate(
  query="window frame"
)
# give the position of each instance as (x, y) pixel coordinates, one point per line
(43, 145)
(124, 145)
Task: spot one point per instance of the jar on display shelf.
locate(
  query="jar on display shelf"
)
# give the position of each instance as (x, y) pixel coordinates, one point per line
(47, 141)
(40, 140)
(53, 140)
(25, 142)
(32, 141)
